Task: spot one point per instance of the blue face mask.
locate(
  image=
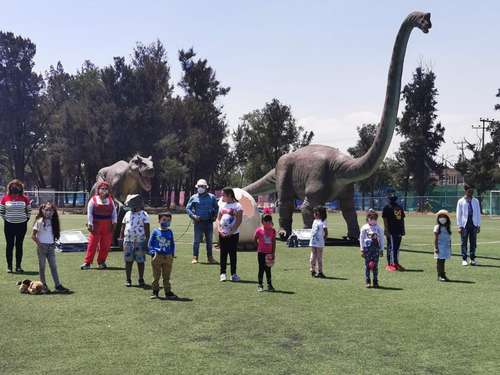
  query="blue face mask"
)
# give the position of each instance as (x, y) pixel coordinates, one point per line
(165, 224)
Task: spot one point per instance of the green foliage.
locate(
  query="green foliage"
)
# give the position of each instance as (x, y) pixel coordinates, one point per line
(423, 136)
(21, 128)
(479, 171)
(266, 134)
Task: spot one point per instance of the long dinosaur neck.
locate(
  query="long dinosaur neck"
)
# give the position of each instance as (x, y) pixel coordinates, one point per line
(363, 167)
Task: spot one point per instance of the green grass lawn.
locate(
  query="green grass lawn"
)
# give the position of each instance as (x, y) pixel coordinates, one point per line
(414, 325)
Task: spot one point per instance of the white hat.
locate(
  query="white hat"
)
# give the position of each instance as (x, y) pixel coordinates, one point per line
(201, 182)
(130, 197)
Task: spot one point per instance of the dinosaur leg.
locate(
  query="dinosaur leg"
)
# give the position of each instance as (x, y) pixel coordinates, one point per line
(307, 212)
(286, 204)
(285, 210)
(349, 212)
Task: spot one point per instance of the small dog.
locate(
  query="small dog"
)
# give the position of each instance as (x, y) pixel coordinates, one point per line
(31, 287)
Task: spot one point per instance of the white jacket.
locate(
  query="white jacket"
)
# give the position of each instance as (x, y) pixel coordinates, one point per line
(463, 212)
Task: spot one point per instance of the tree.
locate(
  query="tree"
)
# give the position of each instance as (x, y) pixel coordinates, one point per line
(266, 134)
(21, 131)
(203, 124)
(423, 136)
(497, 106)
(480, 170)
(382, 176)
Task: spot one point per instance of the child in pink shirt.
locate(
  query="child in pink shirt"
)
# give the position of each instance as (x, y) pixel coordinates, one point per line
(265, 238)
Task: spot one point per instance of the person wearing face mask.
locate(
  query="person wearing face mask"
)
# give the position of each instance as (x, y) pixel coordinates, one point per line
(469, 223)
(265, 239)
(101, 221)
(202, 208)
(161, 247)
(15, 210)
(371, 242)
(442, 243)
(46, 231)
(394, 225)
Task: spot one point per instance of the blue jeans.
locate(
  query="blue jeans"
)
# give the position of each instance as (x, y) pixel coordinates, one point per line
(470, 233)
(203, 228)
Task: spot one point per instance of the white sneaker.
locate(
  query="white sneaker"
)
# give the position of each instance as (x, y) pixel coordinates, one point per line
(223, 277)
(235, 277)
(464, 263)
(473, 262)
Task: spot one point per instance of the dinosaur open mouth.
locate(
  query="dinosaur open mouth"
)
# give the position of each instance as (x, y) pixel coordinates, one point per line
(146, 182)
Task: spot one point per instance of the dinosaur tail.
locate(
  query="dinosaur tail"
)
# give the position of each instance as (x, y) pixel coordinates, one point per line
(266, 184)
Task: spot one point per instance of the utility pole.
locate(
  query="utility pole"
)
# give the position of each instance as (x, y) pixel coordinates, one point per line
(461, 147)
(484, 128)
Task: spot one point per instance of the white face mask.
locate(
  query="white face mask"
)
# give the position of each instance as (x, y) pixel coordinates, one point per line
(443, 220)
(201, 190)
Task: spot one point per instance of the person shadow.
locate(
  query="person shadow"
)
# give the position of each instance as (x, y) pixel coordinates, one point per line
(27, 273)
(460, 281)
(381, 287)
(178, 299)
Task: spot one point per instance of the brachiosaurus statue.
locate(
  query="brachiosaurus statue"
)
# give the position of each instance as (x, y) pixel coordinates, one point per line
(317, 174)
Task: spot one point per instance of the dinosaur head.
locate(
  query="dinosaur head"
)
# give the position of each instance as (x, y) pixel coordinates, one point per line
(142, 169)
(421, 20)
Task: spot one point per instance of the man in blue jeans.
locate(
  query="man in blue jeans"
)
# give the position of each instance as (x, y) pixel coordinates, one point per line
(202, 208)
(468, 223)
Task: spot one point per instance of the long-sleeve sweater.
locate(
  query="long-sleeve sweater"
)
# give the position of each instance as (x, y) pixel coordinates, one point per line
(15, 208)
(161, 242)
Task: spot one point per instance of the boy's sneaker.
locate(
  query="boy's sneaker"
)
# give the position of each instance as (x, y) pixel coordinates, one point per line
(391, 268)
(102, 266)
(464, 263)
(235, 277)
(141, 283)
(313, 274)
(45, 289)
(321, 275)
(223, 277)
(128, 283)
(368, 283)
(19, 270)
(9, 270)
(260, 288)
(473, 262)
(62, 289)
(399, 267)
(194, 260)
(85, 266)
(170, 296)
(441, 278)
(375, 284)
(155, 294)
(270, 288)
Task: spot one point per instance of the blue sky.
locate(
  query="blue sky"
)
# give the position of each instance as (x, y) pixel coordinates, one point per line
(327, 59)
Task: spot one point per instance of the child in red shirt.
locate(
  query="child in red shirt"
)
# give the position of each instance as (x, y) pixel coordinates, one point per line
(265, 238)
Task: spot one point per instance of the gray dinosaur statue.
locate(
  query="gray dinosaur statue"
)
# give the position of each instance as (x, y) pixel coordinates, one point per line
(317, 174)
(127, 178)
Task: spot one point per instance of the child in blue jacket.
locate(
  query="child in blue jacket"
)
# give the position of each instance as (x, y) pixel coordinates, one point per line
(161, 247)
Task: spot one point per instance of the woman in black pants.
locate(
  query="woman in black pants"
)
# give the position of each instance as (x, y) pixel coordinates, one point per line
(228, 221)
(15, 210)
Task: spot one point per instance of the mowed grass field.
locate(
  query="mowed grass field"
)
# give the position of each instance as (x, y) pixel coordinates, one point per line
(414, 325)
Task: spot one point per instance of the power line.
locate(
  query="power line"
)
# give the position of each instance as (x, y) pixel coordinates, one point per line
(461, 147)
(484, 128)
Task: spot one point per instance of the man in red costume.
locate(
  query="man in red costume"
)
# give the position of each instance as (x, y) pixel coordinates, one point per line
(101, 221)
